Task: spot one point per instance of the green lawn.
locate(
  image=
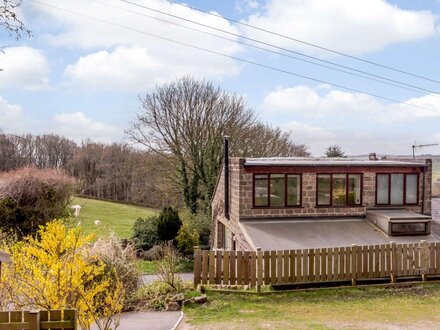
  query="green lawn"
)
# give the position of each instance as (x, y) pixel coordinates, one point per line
(343, 308)
(149, 267)
(112, 216)
(146, 267)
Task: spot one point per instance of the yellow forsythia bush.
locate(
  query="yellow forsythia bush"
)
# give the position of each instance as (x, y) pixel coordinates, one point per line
(59, 270)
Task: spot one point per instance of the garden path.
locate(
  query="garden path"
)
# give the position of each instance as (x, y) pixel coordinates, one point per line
(184, 276)
(147, 321)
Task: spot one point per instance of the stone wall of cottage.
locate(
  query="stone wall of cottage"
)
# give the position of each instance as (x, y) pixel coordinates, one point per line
(428, 187)
(309, 208)
(218, 208)
(241, 207)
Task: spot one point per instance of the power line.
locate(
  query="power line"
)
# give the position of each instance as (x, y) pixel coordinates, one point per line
(229, 56)
(274, 46)
(305, 42)
(260, 48)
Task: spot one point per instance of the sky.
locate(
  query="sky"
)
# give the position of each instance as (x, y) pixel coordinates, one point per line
(81, 76)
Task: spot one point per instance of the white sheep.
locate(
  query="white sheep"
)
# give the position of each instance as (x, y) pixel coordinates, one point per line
(97, 222)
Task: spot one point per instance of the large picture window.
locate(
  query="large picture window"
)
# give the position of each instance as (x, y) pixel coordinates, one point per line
(261, 190)
(396, 189)
(277, 190)
(338, 189)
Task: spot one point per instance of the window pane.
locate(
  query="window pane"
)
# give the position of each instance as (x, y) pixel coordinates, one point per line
(261, 190)
(277, 187)
(354, 189)
(323, 189)
(339, 189)
(397, 189)
(382, 188)
(411, 189)
(408, 228)
(220, 235)
(293, 190)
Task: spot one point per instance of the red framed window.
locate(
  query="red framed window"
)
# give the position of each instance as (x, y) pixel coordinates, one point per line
(397, 189)
(338, 189)
(277, 190)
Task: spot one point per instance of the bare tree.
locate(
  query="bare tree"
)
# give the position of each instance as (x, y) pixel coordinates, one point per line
(8, 155)
(9, 20)
(275, 143)
(119, 172)
(185, 121)
(53, 151)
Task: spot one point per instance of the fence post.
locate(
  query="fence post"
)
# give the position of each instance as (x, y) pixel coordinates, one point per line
(424, 258)
(197, 265)
(354, 265)
(34, 320)
(393, 256)
(259, 269)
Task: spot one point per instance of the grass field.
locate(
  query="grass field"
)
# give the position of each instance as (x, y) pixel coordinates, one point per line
(343, 308)
(115, 217)
(149, 267)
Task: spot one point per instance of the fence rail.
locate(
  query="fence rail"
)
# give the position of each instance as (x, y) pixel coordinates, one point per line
(350, 263)
(36, 320)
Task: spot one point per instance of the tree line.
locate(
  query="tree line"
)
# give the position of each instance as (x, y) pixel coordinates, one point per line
(114, 171)
(180, 128)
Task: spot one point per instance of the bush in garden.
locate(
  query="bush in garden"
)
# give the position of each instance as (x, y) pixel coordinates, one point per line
(59, 270)
(199, 222)
(168, 224)
(187, 239)
(151, 254)
(166, 264)
(121, 259)
(145, 233)
(30, 197)
(153, 296)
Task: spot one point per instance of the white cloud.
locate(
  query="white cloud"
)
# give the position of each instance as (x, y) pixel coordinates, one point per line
(345, 25)
(354, 142)
(78, 127)
(116, 54)
(246, 5)
(343, 105)
(315, 137)
(359, 123)
(135, 69)
(11, 116)
(24, 67)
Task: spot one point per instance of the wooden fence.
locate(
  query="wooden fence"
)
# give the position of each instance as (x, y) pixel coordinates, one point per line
(353, 263)
(54, 320)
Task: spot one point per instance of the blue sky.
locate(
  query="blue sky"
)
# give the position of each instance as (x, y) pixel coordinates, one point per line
(82, 78)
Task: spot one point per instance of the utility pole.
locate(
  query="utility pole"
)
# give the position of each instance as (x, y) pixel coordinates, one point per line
(414, 146)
